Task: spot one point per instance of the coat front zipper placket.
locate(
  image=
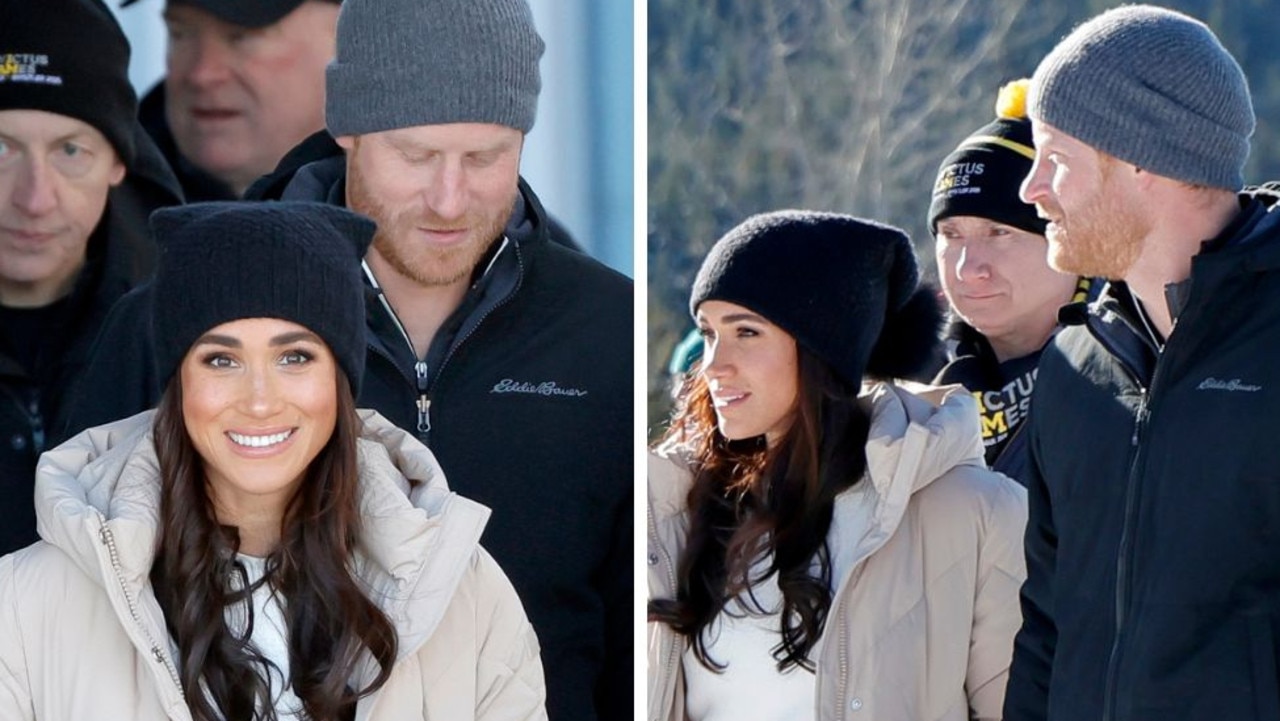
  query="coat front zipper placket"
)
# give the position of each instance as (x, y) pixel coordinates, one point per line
(420, 370)
(152, 647)
(842, 648)
(913, 444)
(426, 397)
(664, 558)
(1125, 553)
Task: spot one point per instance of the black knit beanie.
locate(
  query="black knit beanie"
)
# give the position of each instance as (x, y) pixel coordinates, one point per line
(70, 57)
(982, 176)
(846, 289)
(297, 261)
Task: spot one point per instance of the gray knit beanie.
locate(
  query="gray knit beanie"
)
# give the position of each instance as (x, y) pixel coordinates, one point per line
(1154, 88)
(403, 63)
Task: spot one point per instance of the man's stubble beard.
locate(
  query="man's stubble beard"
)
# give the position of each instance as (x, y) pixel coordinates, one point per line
(426, 266)
(1104, 241)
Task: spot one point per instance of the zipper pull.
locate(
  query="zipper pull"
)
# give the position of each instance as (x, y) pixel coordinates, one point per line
(1139, 419)
(424, 402)
(420, 370)
(424, 414)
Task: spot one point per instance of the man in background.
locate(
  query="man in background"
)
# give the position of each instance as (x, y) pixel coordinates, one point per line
(244, 84)
(78, 179)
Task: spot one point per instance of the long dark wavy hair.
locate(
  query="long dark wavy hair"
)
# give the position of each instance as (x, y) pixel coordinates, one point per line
(331, 622)
(748, 500)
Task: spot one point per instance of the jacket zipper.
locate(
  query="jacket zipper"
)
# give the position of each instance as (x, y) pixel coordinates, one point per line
(37, 429)
(421, 371)
(842, 645)
(108, 540)
(673, 656)
(424, 403)
(1125, 551)
(842, 654)
(485, 316)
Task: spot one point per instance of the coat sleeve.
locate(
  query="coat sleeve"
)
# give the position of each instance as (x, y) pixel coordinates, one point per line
(120, 377)
(1033, 649)
(1001, 570)
(15, 688)
(509, 680)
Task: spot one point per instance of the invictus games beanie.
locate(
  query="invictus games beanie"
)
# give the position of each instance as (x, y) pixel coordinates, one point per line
(846, 289)
(297, 261)
(982, 176)
(403, 63)
(70, 57)
(245, 13)
(1153, 88)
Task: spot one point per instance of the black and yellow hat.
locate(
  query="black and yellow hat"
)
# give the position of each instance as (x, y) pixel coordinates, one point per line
(981, 177)
(70, 57)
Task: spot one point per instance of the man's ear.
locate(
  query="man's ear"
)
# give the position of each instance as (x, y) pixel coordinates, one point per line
(346, 142)
(117, 173)
(1142, 178)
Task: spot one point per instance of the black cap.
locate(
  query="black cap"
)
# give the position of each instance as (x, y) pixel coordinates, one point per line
(70, 57)
(845, 288)
(245, 13)
(983, 175)
(293, 260)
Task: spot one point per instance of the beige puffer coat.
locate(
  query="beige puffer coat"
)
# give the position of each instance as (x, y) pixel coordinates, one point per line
(921, 628)
(82, 636)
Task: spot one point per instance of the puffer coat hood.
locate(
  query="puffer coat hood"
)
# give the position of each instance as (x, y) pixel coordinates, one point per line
(466, 649)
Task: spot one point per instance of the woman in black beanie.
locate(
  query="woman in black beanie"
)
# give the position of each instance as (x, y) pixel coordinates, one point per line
(256, 548)
(817, 544)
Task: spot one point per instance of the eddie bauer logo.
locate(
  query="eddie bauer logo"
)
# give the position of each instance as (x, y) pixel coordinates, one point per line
(1213, 384)
(546, 388)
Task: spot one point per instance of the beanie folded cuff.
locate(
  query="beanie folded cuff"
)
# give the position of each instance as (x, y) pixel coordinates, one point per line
(359, 102)
(1201, 153)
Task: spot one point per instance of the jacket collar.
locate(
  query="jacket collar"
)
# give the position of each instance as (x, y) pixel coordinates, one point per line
(417, 541)
(917, 434)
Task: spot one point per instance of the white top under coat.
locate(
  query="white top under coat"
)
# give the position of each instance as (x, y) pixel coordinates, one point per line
(751, 687)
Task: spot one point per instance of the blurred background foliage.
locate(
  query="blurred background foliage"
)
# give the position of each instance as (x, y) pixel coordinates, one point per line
(849, 106)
